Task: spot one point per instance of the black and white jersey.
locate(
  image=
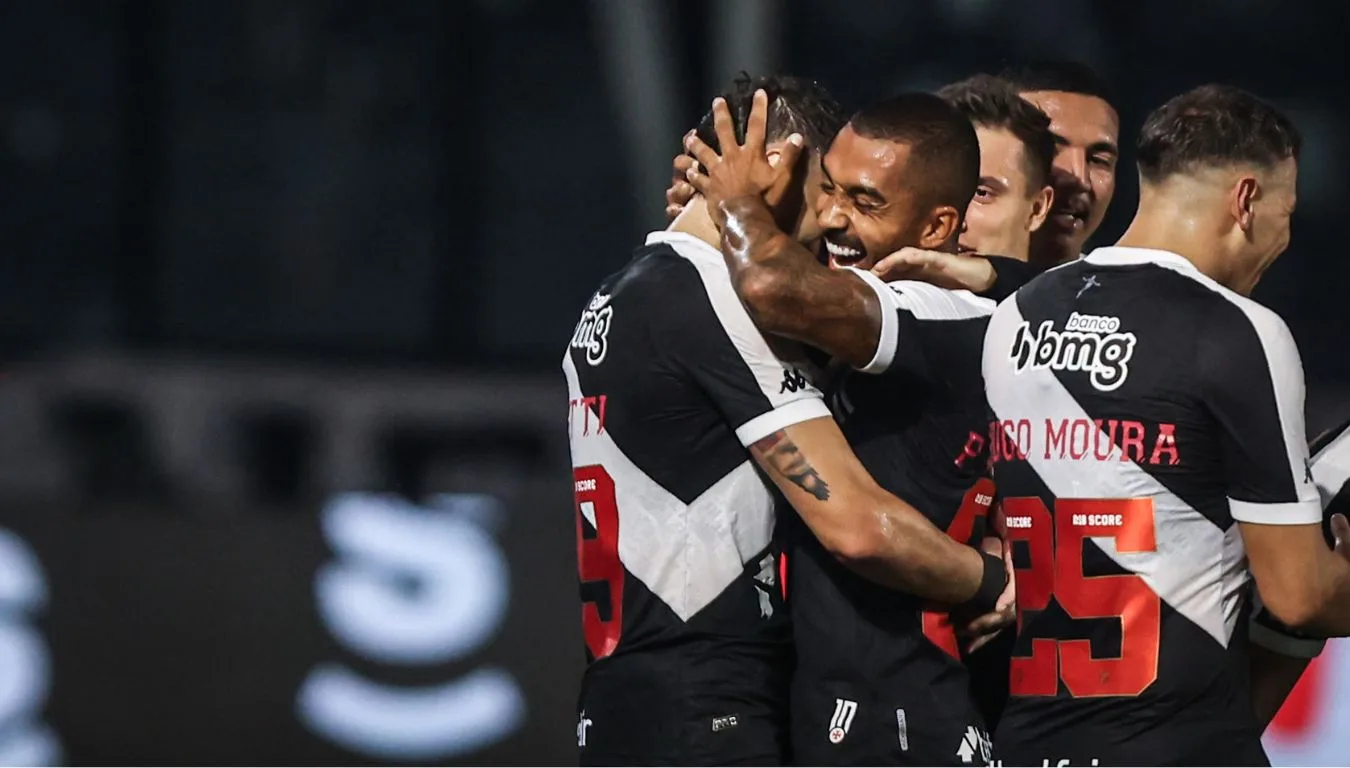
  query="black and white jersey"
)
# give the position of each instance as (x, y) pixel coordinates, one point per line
(1331, 472)
(1139, 410)
(669, 383)
(915, 416)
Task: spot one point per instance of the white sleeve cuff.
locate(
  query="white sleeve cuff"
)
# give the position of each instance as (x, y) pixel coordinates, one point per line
(890, 324)
(781, 417)
(1289, 513)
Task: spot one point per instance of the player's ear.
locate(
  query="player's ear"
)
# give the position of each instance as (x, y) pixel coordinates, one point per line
(1242, 200)
(1040, 207)
(943, 225)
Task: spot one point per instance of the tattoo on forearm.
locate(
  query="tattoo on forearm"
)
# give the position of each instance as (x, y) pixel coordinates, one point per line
(787, 460)
(808, 302)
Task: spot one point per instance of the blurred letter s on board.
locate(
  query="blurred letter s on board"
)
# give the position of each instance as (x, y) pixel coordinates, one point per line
(411, 586)
(25, 669)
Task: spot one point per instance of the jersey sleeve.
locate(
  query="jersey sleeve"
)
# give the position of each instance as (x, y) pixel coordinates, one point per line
(1254, 388)
(1331, 471)
(914, 317)
(757, 385)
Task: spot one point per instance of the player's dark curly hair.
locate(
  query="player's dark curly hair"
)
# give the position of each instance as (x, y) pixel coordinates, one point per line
(796, 105)
(990, 102)
(1058, 75)
(1214, 126)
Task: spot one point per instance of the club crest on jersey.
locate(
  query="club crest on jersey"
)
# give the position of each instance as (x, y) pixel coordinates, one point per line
(842, 720)
(1091, 344)
(590, 335)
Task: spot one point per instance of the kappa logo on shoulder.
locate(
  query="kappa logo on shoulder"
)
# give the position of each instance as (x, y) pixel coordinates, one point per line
(1091, 344)
(793, 380)
(591, 335)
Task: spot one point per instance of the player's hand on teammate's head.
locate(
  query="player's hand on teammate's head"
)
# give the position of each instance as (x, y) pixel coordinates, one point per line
(945, 270)
(680, 191)
(746, 170)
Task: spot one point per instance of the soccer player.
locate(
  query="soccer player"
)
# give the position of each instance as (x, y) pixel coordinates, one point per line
(878, 679)
(1087, 128)
(1011, 203)
(677, 404)
(1149, 444)
(1017, 150)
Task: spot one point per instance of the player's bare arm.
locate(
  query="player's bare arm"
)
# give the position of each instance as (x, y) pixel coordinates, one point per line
(870, 531)
(1274, 673)
(945, 270)
(1278, 655)
(787, 459)
(787, 291)
(1302, 583)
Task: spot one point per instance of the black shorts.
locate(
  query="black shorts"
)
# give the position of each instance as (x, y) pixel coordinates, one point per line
(835, 723)
(989, 676)
(636, 719)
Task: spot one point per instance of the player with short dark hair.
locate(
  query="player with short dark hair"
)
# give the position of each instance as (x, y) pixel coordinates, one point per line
(1213, 125)
(677, 404)
(1017, 149)
(879, 679)
(1085, 121)
(1149, 446)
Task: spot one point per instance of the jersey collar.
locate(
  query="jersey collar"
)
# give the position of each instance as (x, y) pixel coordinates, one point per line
(673, 238)
(1117, 256)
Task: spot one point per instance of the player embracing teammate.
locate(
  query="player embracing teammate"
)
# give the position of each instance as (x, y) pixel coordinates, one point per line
(1152, 463)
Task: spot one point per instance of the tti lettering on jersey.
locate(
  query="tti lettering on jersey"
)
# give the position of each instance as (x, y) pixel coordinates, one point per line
(1091, 344)
(591, 414)
(1142, 442)
(591, 334)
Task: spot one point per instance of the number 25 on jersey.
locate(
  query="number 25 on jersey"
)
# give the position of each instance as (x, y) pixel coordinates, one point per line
(1056, 571)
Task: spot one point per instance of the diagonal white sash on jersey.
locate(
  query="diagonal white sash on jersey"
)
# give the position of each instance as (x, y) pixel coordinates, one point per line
(686, 555)
(1198, 569)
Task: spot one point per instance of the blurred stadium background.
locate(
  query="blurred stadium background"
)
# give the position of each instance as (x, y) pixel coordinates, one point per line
(283, 289)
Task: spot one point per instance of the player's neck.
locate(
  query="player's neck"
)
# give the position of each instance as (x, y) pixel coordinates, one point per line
(1165, 227)
(696, 221)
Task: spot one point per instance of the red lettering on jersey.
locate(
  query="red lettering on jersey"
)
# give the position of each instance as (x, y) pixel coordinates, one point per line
(587, 406)
(1105, 439)
(1078, 446)
(974, 445)
(1097, 439)
(1055, 439)
(1132, 441)
(1009, 440)
(1166, 443)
